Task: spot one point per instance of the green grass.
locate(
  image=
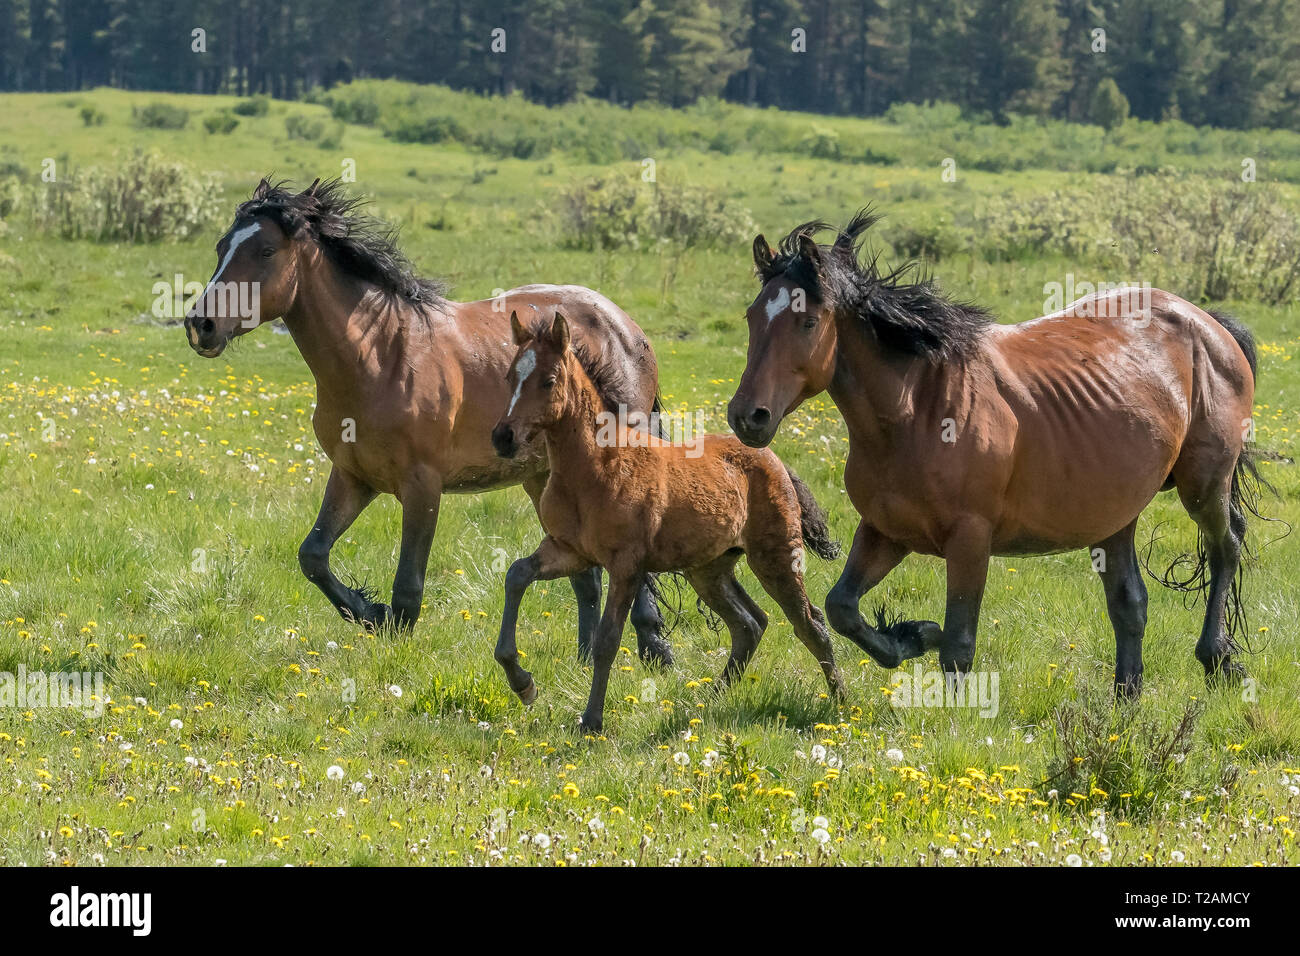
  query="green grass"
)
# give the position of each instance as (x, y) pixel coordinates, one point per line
(154, 539)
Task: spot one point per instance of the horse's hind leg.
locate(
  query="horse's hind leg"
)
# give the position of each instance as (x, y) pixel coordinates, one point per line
(1126, 603)
(718, 588)
(345, 498)
(1223, 532)
(780, 574)
(649, 624)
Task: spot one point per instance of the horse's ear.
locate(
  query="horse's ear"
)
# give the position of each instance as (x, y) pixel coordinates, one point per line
(311, 190)
(808, 250)
(762, 255)
(517, 329)
(263, 189)
(560, 336)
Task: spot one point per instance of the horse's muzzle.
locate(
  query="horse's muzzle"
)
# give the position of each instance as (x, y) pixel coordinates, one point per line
(204, 337)
(755, 427)
(503, 440)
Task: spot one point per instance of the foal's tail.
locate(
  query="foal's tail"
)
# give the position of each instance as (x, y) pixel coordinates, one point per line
(1190, 573)
(812, 521)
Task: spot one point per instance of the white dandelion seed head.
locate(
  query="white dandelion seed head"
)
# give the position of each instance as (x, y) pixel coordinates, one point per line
(395, 690)
(542, 841)
(1178, 856)
(894, 754)
(176, 723)
(335, 772)
(1074, 860)
(820, 835)
(682, 758)
(817, 753)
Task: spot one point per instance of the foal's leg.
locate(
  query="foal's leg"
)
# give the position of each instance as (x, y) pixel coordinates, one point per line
(871, 558)
(622, 592)
(781, 578)
(1126, 603)
(345, 498)
(420, 500)
(586, 584)
(718, 588)
(551, 560)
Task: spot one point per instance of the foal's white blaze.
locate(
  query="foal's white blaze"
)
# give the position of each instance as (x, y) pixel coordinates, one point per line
(777, 304)
(235, 242)
(524, 368)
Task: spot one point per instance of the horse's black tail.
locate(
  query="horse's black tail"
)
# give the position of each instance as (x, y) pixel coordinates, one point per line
(812, 521)
(1191, 573)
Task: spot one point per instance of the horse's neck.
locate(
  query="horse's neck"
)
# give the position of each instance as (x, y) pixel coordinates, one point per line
(571, 443)
(336, 324)
(870, 391)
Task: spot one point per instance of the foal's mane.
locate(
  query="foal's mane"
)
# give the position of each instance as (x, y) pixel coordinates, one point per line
(359, 244)
(906, 309)
(608, 377)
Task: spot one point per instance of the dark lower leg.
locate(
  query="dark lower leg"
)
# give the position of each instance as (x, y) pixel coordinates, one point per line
(648, 623)
(345, 498)
(870, 559)
(1126, 604)
(419, 521)
(587, 588)
(622, 592)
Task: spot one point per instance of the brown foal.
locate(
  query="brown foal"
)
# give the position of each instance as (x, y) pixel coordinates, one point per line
(637, 504)
(969, 439)
(408, 383)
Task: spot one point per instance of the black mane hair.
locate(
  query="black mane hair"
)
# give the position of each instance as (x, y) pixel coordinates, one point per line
(905, 308)
(359, 244)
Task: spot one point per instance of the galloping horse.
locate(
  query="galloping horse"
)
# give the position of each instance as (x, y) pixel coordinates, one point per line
(968, 438)
(633, 504)
(409, 384)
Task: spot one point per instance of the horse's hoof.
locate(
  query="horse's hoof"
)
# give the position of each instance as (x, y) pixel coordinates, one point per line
(1225, 673)
(657, 654)
(528, 694)
(376, 617)
(916, 637)
(593, 728)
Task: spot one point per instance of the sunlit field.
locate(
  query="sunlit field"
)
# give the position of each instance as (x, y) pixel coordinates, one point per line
(153, 503)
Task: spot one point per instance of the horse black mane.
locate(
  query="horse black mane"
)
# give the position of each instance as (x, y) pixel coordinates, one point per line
(359, 244)
(905, 308)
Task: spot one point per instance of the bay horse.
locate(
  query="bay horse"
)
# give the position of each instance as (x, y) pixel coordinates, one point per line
(969, 439)
(408, 382)
(634, 504)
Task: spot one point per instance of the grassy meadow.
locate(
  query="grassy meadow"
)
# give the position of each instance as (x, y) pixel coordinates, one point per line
(153, 502)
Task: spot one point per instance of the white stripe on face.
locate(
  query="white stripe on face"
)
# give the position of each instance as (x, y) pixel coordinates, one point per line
(235, 241)
(777, 304)
(523, 368)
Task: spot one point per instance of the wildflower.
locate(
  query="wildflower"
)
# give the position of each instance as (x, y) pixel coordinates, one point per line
(1074, 860)
(335, 772)
(485, 771)
(682, 759)
(894, 754)
(818, 753)
(820, 835)
(711, 758)
(395, 690)
(542, 841)
(176, 724)
(1177, 856)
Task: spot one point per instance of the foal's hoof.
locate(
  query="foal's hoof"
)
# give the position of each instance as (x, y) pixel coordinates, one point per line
(528, 694)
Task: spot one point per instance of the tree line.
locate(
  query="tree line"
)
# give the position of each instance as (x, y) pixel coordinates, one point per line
(1228, 63)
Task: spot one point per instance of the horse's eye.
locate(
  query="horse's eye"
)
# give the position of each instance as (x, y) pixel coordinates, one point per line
(268, 252)
(810, 323)
(548, 383)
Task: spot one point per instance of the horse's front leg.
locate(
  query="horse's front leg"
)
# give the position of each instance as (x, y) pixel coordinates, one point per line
(551, 560)
(967, 555)
(871, 558)
(345, 497)
(420, 501)
(623, 588)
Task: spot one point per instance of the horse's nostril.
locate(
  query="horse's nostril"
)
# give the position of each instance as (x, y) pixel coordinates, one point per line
(208, 327)
(760, 417)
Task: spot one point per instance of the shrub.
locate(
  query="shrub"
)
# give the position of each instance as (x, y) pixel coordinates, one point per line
(222, 123)
(253, 106)
(142, 199)
(1109, 107)
(301, 127)
(623, 212)
(160, 116)
(91, 116)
